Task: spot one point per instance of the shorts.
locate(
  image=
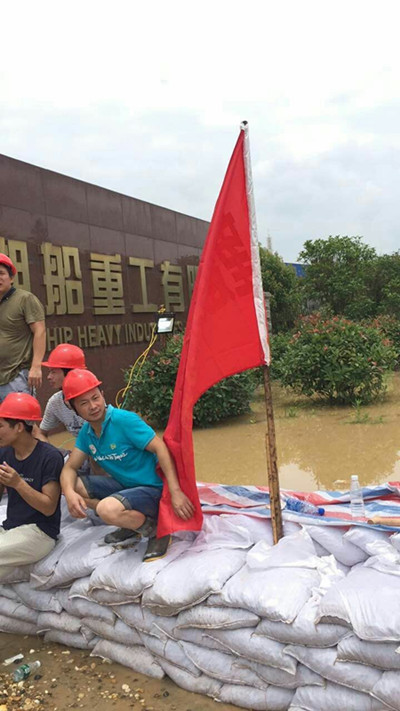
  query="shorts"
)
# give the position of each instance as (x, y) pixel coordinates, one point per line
(145, 499)
(19, 384)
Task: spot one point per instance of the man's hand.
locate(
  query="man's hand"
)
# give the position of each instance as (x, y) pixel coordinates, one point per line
(35, 377)
(182, 506)
(76, 505)
(8, 476)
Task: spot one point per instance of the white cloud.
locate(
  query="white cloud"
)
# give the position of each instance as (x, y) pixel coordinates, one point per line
(147, 98)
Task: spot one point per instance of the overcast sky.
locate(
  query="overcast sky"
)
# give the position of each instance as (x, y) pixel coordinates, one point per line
(147, 98)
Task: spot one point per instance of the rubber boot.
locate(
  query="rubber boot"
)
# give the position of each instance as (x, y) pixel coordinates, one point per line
(156, 548)
(121, 535)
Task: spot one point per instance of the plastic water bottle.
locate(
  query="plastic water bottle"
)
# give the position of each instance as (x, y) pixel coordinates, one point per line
(356, 498)
(23, 671)
(293, 504)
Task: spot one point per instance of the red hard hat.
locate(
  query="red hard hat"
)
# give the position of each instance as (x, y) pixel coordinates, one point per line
(79, 381)
(66, 355)
(7, 263)
(20, 406)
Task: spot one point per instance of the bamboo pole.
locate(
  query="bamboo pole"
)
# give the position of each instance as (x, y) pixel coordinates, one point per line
(272, 464)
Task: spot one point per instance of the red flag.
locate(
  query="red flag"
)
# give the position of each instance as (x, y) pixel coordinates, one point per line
(226, 331)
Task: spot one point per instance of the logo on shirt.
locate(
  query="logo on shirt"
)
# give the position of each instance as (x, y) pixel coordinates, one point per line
(113, 446)
(92, 448)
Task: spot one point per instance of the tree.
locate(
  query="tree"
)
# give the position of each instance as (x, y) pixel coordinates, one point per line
(385, 286)
(282, 283)
(339, 274)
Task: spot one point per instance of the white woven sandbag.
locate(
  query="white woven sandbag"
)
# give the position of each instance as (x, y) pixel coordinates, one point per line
(37, 599)
(206, 617)
(369, 601)
(275, 582)
(278, 677)
(80, 588)
(20, 574)
(200, 685)
(163, 627)
(221, 666)
(8, 591)
(332, 538)
(276, 593)
(13, 608)
(70, 639)
(387, 689)
(272, 699)
(303, 630)
(79, 559)
(106, 597)
(259, 649)
(44, 569)
(376, 654)
(136, 616)
(259, 529)
(370, 540)
(126, 573)
(191, 578)
(120, 632)
(323, 661)
(224, 532)
(171, 651)
(58, 621)
(12, 625)
(79, 607)
(137, 658)
(332, 697)
(197, 636)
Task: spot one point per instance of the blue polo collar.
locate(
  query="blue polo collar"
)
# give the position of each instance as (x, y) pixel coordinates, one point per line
(9, 293)
(107, 418)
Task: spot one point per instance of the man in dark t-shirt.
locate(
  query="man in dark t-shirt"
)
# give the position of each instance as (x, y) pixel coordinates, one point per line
(30, 470)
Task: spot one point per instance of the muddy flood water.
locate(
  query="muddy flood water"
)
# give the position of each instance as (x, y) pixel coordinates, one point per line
(318, 447)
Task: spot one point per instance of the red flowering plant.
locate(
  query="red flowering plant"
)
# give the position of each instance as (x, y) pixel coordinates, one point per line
(337, 359)
(151, 391)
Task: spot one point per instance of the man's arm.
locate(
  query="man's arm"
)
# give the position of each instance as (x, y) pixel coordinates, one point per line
(38, 329)
(76, 503)
(182, 506)
(44, 501)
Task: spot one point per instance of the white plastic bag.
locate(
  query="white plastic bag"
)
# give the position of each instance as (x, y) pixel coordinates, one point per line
(332, 697)
(377, 654)
(259, 649)
(200, 685)
(120, 632)
(272, 699)
(332, 538)
(206, 617)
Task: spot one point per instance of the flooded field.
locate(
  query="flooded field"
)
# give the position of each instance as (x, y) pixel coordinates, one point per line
(319, 446)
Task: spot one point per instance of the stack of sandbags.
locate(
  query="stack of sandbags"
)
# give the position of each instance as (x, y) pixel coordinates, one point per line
(311, 623)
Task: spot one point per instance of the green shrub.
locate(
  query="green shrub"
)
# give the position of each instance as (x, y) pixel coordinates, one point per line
(279, 343)
(151, 393)
(337, 359)
(390, 327)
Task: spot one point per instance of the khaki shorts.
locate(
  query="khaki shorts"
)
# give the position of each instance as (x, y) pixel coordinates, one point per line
(21, 546)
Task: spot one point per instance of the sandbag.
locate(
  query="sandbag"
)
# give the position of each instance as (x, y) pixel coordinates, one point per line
(367, 538)
(120, 632)
(126, 573)
(79, 558)
(136, 616)
(332, 538)
(367, 600)
(222, 666)
(377, 654)
(79, 607)
(137, 658)
(171, 651)
(332, 697)
(191, 578)
(44, 569)
(198, 637)
(200, 685)
(37, 599)
(12, 625)
(323, 661)
(272, 699)
(259, 649)
(206, 617)
(387, 689)
(13, 608)
(8, 591)
(303, 629)
(70, 639)
(58, 621)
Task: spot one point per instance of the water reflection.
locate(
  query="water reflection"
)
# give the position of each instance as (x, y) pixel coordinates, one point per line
(318, 446)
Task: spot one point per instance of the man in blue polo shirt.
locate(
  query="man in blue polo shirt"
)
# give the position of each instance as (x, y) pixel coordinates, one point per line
(128, 450)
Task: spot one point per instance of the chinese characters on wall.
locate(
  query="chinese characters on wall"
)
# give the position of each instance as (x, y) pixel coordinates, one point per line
(63, 279)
